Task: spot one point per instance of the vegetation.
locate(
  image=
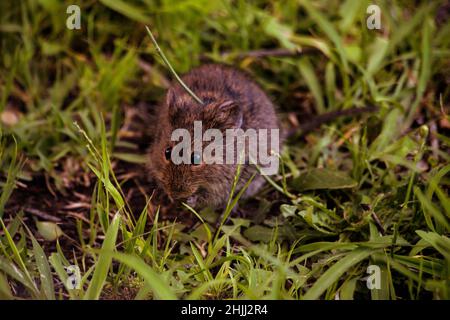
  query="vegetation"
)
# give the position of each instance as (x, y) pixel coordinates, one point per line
(362, 190)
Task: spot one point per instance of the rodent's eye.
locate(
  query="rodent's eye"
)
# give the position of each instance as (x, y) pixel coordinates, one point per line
(196, 158)
(168, 153)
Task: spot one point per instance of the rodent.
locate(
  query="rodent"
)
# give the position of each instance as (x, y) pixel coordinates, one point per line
(231, 99)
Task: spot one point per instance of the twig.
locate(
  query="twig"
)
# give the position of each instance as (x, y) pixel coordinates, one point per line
(279, 52)
(320, 119)
(42, 215)
(161, 54)
(378, 223)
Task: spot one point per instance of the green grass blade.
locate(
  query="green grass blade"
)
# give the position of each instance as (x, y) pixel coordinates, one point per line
(44, 269)
(154, 280)
(335, 272)
(308, 73)
(104, 261)
(440, 242)
(127, 9)
(329, 30)
(29, 282)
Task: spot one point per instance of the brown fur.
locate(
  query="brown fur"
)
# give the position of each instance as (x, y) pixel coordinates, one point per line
(228, 95)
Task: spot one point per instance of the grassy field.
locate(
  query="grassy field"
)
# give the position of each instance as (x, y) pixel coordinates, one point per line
(359, 191)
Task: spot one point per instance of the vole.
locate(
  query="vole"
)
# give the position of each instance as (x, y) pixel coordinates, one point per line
(230, 100)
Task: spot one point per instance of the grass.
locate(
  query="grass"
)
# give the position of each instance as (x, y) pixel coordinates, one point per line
(358, 191)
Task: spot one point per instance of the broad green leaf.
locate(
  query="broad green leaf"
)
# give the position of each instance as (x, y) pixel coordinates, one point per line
(266, 234)
(316, 178)
(259, 233)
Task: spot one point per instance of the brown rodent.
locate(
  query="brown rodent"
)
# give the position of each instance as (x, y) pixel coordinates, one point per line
(231, 99)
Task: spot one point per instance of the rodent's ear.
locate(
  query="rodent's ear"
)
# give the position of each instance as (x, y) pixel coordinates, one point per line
(172, 105)
(227, 114)
(170, 98)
